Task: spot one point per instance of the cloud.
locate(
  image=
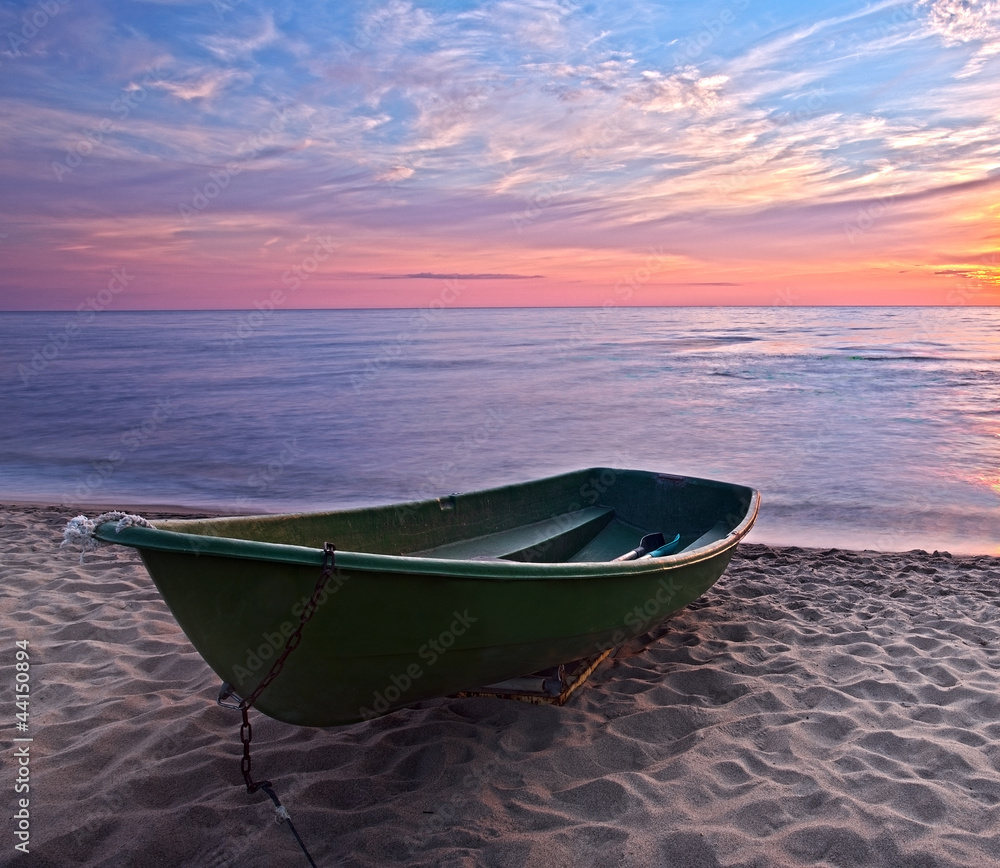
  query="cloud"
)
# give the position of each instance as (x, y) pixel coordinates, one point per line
(395, 173)
(205, 85)
(961, 22)
(535, 25)
(392, 26)
(231, 48)
(656, 92)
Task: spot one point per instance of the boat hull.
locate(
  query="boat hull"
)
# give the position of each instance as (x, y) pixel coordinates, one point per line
(392, 627)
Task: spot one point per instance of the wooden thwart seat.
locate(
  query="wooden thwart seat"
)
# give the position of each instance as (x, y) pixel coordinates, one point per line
(548, 541)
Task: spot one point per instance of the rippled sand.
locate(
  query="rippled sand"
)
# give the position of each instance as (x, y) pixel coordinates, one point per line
(829, 708)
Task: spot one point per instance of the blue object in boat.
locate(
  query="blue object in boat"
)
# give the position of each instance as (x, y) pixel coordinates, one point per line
(667, 549)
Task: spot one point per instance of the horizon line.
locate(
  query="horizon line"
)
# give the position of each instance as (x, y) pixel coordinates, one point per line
(494, 307)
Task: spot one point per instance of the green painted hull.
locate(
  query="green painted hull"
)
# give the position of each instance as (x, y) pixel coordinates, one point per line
(439, 596)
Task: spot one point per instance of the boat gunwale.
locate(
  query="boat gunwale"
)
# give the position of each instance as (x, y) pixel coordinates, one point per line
(158, 539)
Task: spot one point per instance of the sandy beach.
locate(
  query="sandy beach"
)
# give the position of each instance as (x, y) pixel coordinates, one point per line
(832, 708)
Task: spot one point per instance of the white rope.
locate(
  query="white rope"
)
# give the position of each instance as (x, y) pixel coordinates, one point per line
(80, 530)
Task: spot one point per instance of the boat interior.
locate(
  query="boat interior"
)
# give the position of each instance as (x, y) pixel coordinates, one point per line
(594, 515)
(586, 535)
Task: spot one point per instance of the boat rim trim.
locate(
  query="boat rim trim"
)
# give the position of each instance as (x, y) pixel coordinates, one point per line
(157, 539)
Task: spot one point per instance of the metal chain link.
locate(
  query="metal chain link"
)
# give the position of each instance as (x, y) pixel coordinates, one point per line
(246, 730)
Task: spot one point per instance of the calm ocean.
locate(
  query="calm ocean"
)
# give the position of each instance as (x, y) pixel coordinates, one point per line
(862, 427)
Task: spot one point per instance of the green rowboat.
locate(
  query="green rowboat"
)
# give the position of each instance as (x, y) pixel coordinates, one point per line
(435, 597)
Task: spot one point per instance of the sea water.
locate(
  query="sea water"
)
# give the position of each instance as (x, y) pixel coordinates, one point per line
(862, 427)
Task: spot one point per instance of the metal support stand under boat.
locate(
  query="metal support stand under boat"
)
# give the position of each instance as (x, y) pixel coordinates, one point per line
(549, 687)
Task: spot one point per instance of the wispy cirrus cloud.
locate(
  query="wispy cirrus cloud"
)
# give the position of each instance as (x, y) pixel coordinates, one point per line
(204, 84)
(232, 47)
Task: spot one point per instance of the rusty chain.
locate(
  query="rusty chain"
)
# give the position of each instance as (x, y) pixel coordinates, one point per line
(246, 730)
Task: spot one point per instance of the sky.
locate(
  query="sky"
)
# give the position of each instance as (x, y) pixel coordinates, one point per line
(233, 154)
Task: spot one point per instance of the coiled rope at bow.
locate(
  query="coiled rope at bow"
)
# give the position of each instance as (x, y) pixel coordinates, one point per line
(246, 730)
